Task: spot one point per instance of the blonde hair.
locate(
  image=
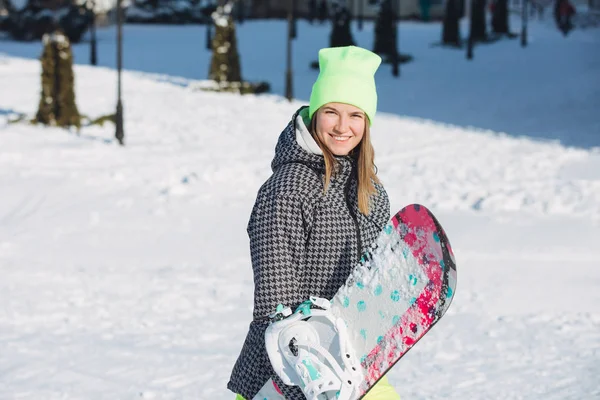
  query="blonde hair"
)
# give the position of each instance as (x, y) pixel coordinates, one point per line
(366, 169)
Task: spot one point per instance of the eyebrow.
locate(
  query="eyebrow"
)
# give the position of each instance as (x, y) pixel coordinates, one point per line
(351, 112)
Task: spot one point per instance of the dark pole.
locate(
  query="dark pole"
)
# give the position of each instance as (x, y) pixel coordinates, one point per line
(524, 23)
(360, 14)
(209, 24)
(288, 73)
(396, 55)
(470, 38)
(120, 134)
(240, 11)
(294, 28)
(93, 57)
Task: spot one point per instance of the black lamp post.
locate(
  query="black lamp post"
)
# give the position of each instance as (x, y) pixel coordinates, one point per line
(294, 27)
(360, 14)
(524, 23)
(120, 134)
(396, 55)
(209, 34)
(208, 12)
(241, 9)
(470, 38)
(93, 53)
(288, 73)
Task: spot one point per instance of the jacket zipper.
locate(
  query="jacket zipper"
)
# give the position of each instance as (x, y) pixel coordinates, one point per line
(353, 214)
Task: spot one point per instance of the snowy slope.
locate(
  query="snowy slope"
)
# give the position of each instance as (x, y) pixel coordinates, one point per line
(539, 91)
(126, 271)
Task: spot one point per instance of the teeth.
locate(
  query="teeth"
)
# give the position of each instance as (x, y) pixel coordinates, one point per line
(341, 138)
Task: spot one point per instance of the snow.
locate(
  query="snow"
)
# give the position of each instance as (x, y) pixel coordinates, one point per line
(99, 5)
(515, 88)
(126, 270)
(222, 14)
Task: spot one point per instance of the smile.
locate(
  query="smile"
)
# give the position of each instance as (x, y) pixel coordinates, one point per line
(340, 138)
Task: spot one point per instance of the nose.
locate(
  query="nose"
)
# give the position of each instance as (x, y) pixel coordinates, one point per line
(343, 124)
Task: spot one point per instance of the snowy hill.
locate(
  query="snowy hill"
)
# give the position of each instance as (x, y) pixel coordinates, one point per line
(126, 270)
(506, 88)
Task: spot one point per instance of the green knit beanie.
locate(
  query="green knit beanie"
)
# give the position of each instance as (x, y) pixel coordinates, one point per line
(347, 75)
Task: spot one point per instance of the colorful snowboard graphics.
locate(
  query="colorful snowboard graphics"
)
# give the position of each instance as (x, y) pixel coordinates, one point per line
(400, 288)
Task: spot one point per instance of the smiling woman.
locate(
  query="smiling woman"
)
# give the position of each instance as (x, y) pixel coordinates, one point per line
(342, 130)
(319, 211)
(339, 127)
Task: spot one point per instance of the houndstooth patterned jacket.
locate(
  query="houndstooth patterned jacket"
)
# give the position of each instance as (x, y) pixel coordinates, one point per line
(303, 242)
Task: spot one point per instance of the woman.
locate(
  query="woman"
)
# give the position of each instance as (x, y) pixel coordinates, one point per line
(318, 212)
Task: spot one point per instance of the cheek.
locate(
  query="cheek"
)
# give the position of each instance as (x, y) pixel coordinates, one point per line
(358, 128)
(324, 125)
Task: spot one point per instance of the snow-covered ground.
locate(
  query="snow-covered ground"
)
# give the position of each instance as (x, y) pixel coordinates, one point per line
(125, 271)
(548, 90)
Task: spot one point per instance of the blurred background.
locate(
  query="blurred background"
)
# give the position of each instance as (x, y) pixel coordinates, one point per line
(134, 136)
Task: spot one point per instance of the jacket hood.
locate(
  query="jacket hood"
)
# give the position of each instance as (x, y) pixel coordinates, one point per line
(289, 151)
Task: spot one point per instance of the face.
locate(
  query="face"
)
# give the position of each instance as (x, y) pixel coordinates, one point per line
(340, 127)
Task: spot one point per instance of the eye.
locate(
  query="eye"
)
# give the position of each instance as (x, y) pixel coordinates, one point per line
(330, 112)
(360, 116)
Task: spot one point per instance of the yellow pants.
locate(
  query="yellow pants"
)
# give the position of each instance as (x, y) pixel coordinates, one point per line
(381, 391)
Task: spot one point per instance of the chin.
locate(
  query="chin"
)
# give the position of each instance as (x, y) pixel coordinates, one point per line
(339, 152)
(340, 149)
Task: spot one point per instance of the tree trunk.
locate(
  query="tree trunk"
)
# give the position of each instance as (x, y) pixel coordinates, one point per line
(57, 103)
(451, 29)
(341, 34)
(500, 17)
(478, 22)
(225, 62)
(385, 30)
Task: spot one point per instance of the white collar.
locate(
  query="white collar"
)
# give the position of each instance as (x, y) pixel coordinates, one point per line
(304, 138)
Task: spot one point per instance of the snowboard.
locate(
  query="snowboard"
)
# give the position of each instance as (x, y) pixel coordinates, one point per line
(400, 288)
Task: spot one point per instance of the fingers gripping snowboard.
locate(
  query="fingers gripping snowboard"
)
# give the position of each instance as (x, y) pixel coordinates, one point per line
(399, 289)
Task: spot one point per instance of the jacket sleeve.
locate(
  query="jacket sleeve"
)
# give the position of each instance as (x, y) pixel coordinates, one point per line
(278, 231)
(381, 210)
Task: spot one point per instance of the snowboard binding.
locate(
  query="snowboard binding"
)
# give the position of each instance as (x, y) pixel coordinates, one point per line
(315, 355)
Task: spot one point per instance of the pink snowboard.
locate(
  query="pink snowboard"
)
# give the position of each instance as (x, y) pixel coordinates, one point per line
(399, 289)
